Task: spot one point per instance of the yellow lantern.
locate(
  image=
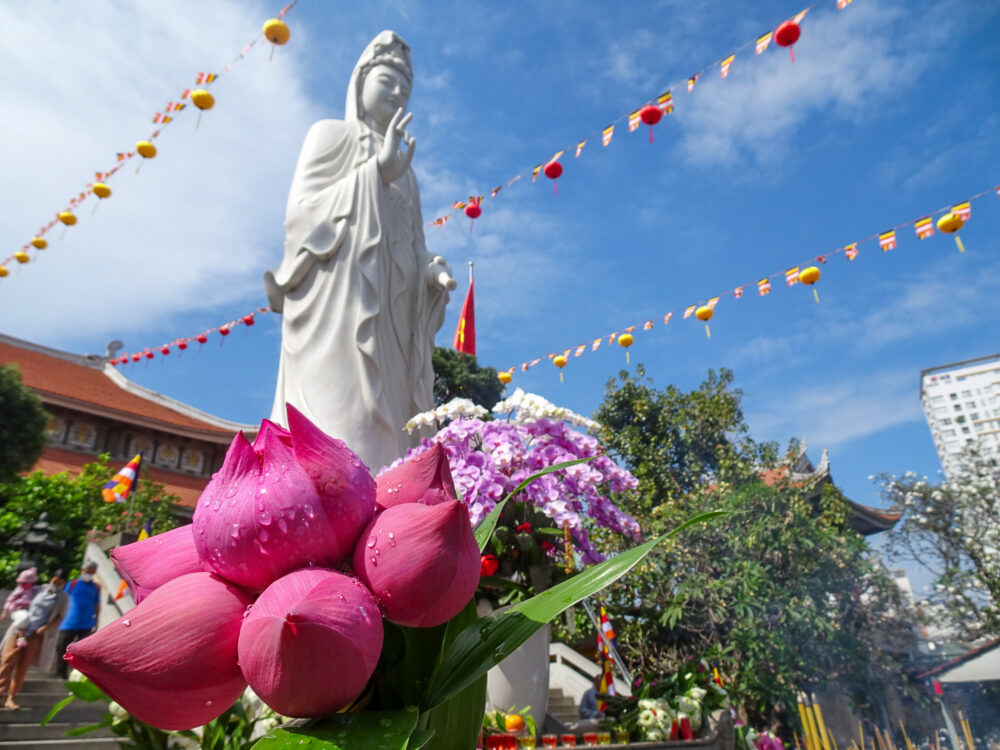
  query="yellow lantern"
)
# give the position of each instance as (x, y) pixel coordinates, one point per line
(560, 361)
(4, 271)
(277, 33)
(146, 150)
(810, 276)
(704, 314)
(949, 224)
(101, 190)
(203, 101)
(68, 218)
(39, 243)
(21, 257)
(504, 377)
(625, 341)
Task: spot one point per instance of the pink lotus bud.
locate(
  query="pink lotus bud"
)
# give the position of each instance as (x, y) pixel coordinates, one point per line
(150, 563)
(310, 642)
(425, 478)
(171, 661)
(421, 561)
(294, 498)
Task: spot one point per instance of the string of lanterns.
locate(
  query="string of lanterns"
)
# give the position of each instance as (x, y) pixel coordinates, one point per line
(182, 343)
(952, 220)
(275, 31)
(785, 35)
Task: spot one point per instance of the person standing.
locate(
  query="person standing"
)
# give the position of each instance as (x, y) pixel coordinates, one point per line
(81, 615)
(21, 650)
(21, 597)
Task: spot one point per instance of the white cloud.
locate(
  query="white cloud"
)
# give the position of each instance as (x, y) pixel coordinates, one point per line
(190, 231)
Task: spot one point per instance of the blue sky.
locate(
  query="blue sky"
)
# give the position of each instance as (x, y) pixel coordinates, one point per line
(889, 112)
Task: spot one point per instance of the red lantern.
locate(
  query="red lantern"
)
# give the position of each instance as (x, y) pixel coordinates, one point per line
(201, 338)
(112, 362)
(248, 320)
(182, 345)
(650, 114)
(786, 35)
(553, 170)
(149, 355)
(473, 210)
(223, 330)
(164, 350)
(136, 357)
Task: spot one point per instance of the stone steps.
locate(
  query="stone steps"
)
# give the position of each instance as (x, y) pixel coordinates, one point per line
(22, 728)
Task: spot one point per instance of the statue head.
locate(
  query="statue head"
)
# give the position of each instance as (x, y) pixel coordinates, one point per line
(381, 81)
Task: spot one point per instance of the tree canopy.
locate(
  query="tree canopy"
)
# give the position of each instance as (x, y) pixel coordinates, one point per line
(23, 422)
(781, 594)
(458, 375)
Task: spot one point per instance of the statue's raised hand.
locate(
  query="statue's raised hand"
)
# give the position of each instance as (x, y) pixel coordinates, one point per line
(392, 161)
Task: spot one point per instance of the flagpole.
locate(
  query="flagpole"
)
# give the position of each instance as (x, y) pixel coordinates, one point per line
(131, 493)
(610, 646)
(471, 266)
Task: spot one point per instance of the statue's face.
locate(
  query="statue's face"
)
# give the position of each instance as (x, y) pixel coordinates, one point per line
(384, 91)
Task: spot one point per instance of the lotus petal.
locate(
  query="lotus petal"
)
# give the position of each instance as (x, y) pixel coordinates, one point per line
(311, 642)
(148, 564)
(171, 661)
(421, 561)
(425, 478)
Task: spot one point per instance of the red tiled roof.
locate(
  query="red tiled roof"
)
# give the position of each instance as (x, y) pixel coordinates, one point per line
(186, 487)
(60, 379)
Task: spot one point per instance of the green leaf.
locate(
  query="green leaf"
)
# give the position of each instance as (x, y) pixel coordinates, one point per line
(57, 708)
(350, 731)
(87, 691)
(419, 739)
(491, 639)
(106, 722)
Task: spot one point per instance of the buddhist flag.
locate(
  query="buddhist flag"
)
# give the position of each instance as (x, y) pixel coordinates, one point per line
(666, 103)
(633, 120)
(606, 135)
(851, 251)
(579, 350)
(887, 240)
(792, 276)
(612, 337)
(496, 190)
(726, 65)
(512, 180)
(738, 292)
(688, 311)
(122, 588)
(606, 641)
(764, 41)
(692, 81)
(116, 491)
(764, 287)
(579, 148)
(535, 171)
(821, 259)
(667, 317)
(465, 333)
(648, 325)
(158, 117)
(924, 227)
(800, 15)
(596, 344)
(458, 204)
(962, 211)
(841, 4)
(205, 78)
(146, 530)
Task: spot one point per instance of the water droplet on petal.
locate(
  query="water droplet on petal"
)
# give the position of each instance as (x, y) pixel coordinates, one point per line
(392, 539)
(126, 623)
(374, 561)
(371, 541)
(309, 511)
(208, 703)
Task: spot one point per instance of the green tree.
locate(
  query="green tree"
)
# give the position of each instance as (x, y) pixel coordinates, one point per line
(952, 529)
(458, 375)
(781, 594)
(75, 508)
(23, 421)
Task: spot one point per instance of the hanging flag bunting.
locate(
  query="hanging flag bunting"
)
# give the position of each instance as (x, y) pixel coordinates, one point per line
(535, 171)
(851, 251)
(763, 42)
(647, 326)
(579, 350)
(963, 211)
(146, 150)
(666, 103)
(841, 4)
(633, 120)
(667, 317)
(612, 337)
(606, 135)
(205, 78)
(764, 287)
(887, 240)
(712, 303)
(579, 147)
(116, 491)
(924, 227)
(458, 204)
(726, 65)
(692, 81)
(596, 344)
(738, 292)
(493, 193)
(797, 18)
(688, 311)
(465, 332)
(792, 276)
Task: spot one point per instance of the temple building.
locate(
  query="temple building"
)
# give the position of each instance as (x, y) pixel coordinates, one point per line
(95, 409)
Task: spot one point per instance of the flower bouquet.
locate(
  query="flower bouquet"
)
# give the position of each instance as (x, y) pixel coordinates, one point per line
(341, 600)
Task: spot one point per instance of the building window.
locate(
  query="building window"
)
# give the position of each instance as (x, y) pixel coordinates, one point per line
(946, 420)
(56, 430)
(958, 407)
(948, 433)
(970, 404)
(959, 420)
(140, 444)
(167, 455)
(940, 412)
(954, 396)
(193, 461)
(937, 399)
(965, 430)
(980, 427)
(974, 416)
(966, 394)
(82, 435)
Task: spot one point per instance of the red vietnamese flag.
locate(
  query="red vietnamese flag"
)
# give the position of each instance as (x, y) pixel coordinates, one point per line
(465, 333)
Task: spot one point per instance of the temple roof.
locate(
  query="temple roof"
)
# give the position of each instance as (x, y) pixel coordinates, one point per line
(88, 384)
(864, 519)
